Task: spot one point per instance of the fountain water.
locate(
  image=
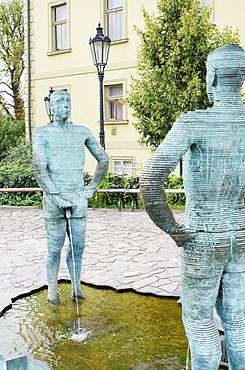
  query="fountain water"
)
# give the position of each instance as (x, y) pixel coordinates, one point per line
(81, 334)
(128, 331)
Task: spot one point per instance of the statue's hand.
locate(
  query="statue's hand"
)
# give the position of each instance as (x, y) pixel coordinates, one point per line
(61, 203)
(181, 239)
(88, 192)
(181, 236)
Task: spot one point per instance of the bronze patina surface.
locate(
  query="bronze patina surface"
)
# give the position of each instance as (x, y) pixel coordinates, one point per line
(58, 152)
(212, 142)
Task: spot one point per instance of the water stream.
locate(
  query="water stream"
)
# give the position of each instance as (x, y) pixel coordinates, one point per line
(81, 334)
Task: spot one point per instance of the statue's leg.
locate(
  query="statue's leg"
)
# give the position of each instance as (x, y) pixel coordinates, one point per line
(77, 242)
(198, 321)
(202, 267)
(56, 232)
(231, 304)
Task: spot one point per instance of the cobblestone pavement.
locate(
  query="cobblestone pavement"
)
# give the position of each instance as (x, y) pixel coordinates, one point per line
(124, 250)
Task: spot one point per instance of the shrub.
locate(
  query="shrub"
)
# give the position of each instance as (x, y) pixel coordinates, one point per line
(175, 200)
(19, 155)
(17, 172)
(110, 200)
(10, 134)
(114, 181)
(19, 177)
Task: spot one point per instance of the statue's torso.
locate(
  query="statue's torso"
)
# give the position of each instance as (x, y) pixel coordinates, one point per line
(65, 157)
(214, 174)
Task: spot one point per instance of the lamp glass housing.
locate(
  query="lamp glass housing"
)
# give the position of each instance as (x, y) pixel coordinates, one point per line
(100, 46)
(47, 106)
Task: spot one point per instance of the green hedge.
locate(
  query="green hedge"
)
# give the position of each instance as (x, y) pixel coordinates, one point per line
(19, 177)
(175, 200)
(16, 171)
(10, 134)
(24, 177)
(113, 181)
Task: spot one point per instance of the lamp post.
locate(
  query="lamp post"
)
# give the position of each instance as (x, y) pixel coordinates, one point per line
(100, 46)
(47, 105)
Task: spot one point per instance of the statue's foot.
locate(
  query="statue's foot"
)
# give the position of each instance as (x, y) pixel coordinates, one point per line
(79, 297)
(54, 301)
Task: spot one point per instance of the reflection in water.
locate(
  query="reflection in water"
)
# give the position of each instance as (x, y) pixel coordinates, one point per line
(118, 331)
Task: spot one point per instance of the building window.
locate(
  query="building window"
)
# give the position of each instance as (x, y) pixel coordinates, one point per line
(122, 166)
(114, 13)
(60, 27)
(114, 108)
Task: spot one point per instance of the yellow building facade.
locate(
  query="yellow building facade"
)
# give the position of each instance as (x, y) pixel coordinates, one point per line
(58, 56)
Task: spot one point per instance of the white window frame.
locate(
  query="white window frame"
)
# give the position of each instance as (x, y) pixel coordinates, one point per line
(52, 24)
(105, 11)
(134, 165)
(117, 102)
(60, 38)
(111, 83)
(117, 28)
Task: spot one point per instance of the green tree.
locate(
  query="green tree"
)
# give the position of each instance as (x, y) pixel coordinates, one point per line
(11, 133)
(12, 57)
(172, 65)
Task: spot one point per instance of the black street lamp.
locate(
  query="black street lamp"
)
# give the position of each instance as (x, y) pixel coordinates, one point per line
(100, 46)
(47, 105)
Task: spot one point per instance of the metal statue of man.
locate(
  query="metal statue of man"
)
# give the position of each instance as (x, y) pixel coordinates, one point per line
(213, 236)
(58, 154)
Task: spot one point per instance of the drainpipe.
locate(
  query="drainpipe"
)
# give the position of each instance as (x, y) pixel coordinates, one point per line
(28, 70)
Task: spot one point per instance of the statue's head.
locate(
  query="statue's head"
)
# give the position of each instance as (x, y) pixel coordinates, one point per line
(60, 103)
(225, 66)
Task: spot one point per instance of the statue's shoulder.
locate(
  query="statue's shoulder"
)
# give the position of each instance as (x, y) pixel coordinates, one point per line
(193, 116)
(41, 130)
(80, 129)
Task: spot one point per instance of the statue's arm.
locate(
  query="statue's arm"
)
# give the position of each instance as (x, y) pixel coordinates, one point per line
(40, 163)
(102, 158)
(159, 166)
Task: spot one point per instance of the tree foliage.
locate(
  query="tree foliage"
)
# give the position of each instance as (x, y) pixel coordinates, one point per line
(172, 65)
(12, 57)
(11, 133)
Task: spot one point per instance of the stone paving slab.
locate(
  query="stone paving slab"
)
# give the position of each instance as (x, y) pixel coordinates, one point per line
(124, 250)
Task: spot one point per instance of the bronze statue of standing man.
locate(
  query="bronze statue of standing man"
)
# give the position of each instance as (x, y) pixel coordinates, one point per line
(213, 236)
(58, 152)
